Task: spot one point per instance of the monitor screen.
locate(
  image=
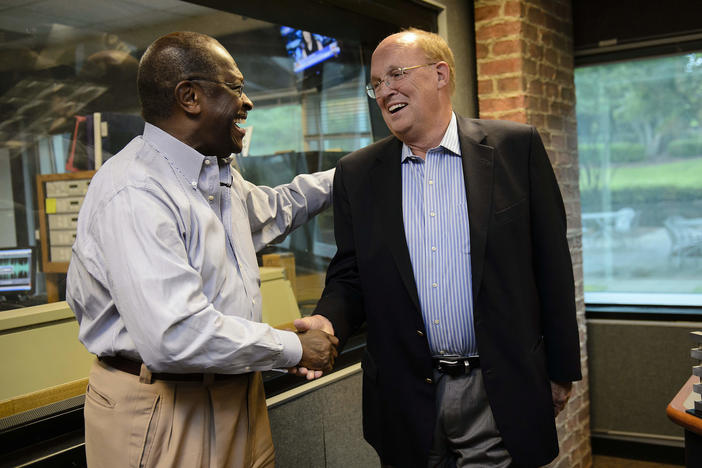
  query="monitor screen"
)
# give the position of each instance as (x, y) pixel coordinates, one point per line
(16, 271)
(308, 49)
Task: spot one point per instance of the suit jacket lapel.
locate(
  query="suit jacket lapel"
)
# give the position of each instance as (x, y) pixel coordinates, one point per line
(386, 182)
(478, 172)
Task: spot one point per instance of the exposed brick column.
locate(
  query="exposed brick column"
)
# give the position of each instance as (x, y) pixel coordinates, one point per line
(524, 53)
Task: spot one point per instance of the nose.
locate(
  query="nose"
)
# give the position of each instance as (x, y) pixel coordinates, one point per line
(384, 88)
(247, 103)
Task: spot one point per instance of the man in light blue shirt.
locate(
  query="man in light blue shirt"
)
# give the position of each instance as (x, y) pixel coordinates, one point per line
(164, 280)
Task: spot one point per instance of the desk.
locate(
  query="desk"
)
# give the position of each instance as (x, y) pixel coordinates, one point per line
(677, 412)
(44, 362)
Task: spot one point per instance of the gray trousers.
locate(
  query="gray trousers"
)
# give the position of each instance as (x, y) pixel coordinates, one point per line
(466, 434)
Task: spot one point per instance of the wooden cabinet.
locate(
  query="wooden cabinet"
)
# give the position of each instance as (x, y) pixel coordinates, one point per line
(59, 197)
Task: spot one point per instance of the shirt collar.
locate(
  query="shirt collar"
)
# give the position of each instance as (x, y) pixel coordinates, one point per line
(187, 159)
(449, 141)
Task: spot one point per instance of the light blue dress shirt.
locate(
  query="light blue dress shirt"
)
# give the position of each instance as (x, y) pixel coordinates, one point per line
(438, 236)
(164, 264)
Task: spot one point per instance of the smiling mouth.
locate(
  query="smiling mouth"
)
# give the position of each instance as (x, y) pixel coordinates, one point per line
(237, 122)
(396, 107)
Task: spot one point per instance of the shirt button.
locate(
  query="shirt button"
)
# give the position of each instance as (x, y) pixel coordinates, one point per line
(210, 198)
(436, 321)
(433, 248)
(434, 285)
(253, 301)
(247, 369)
(442, 352)
(428, 380)
(193, 183)
(432, 214)
(207, 162)
(420, 333)
(431, 182)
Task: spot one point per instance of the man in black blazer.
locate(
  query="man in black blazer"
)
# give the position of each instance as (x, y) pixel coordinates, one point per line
(451, 239)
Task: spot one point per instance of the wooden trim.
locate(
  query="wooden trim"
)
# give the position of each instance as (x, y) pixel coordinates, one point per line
(313, 385)
(43, 228)
(42, 397)
(677, 412)
(66, 176)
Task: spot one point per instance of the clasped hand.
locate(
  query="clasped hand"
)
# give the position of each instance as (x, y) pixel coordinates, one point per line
(319, 344)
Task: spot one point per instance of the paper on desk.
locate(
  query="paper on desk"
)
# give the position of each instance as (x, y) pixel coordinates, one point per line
(689, 402)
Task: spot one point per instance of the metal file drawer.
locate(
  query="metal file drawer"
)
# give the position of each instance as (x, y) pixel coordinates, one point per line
(62, 237)
(64, 205)
(63, 221)
(67, 188)
(60, 254)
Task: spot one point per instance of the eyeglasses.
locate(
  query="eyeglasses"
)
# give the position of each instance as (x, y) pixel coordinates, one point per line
(237, 88)
(395, 75)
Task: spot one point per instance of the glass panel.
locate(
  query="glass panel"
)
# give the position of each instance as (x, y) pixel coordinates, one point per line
(640, 152)
(68, 103)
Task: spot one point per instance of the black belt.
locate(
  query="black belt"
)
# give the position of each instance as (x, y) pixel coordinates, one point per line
(456, 366)
(134, 367)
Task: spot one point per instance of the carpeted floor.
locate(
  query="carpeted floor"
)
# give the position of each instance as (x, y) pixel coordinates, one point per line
(601, 461)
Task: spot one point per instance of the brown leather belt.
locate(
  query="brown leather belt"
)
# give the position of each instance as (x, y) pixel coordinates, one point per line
(134, 367)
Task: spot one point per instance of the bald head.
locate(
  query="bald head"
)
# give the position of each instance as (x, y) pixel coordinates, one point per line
(169, 60)
(412, 78)
(434, 47)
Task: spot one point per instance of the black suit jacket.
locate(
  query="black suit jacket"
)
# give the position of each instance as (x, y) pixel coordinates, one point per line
(523, 291)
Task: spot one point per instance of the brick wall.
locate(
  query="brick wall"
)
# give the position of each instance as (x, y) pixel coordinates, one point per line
(524, 54)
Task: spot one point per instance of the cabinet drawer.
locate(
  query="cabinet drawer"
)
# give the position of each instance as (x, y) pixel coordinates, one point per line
(60, 254)
(62, 237)
(67, 188)
(63, 221)
(64, 205)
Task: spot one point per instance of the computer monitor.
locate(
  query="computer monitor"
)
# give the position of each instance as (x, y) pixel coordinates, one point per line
(16, 271)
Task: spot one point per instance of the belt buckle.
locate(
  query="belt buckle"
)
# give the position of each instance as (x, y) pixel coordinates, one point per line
(448, 362)
(453, 367)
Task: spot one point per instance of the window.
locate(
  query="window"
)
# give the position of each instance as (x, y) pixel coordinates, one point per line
(69, 102)
(640, 153)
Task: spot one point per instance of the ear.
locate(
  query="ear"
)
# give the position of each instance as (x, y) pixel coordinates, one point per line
(188, 97)
(443, 73)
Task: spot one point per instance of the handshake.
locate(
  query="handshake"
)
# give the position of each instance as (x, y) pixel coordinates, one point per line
(316, 335)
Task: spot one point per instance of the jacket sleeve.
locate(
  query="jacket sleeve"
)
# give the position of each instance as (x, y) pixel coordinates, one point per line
(342, 300)
(553, 269)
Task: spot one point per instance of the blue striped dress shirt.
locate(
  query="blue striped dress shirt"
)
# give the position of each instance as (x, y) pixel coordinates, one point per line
(435, 215)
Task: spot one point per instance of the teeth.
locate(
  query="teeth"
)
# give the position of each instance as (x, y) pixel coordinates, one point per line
(395, 107)
(240, 121)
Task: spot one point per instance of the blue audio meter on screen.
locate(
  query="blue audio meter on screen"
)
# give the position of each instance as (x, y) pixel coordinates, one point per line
(16, 271)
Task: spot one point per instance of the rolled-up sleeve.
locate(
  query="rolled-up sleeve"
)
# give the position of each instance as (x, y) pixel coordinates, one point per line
(275, 212)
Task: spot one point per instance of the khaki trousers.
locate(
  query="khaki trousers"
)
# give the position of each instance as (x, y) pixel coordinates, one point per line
(133, 423)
